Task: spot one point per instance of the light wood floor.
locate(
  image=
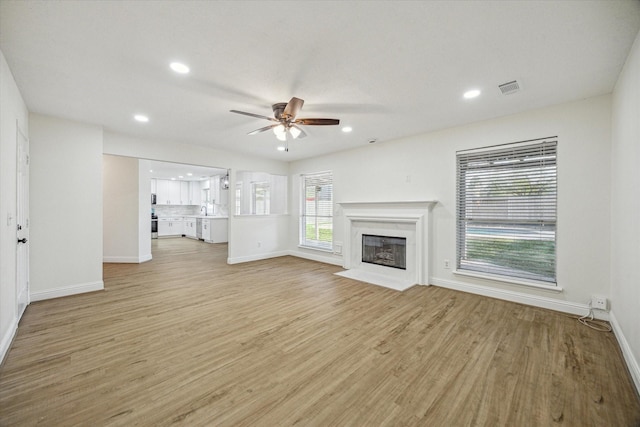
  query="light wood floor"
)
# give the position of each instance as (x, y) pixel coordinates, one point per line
(186, 339)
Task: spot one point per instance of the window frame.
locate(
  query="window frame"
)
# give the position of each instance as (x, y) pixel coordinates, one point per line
(327, 219)
(533, 220)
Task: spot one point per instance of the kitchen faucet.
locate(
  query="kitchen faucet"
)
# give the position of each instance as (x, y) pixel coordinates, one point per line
(205, 210)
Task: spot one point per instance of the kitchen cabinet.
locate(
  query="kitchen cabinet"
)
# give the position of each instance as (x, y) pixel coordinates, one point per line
(168, 192)
(214, 230)
(162, 192)
(170, 227)
(184, 193)
(195, 193)
(190, 227)
(206, 230)
(174, 193)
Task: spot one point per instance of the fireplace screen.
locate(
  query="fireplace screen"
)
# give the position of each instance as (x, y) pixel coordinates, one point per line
(383, 250)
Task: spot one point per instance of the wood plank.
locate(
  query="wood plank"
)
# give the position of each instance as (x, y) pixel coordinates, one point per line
(187, 339)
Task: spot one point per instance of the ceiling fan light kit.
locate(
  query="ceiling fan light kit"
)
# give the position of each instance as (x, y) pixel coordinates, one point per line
(286, 121)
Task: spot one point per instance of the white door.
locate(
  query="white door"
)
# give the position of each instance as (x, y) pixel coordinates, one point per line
(22, 220)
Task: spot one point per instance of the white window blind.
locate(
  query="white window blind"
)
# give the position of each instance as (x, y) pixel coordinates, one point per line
(316, 225)
(506, 210)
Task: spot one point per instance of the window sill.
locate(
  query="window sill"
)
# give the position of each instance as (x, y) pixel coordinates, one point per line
(315, 248)
(509, 280)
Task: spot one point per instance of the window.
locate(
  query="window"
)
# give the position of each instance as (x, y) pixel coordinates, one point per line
(316, 222)
(261, 197)
(506, 210)
(260, 193)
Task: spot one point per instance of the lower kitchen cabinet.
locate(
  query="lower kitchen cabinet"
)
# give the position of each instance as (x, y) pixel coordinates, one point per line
(190, 228)
(170, 227)
(215, 230)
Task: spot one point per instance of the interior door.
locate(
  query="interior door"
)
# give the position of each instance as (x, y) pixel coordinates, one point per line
(22, 220)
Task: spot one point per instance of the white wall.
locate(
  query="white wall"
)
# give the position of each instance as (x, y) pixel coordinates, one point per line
(243, 234)
(625, 208)
(124, 232)
(423, 167)
(13, 112)
(66, 207)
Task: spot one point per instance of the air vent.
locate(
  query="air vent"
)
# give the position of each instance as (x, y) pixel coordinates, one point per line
(509, 88)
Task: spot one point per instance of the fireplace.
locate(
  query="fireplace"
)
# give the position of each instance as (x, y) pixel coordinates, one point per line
(381, 235)
(385, 250)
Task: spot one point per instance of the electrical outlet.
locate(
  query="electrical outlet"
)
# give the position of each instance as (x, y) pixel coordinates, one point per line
(599, 302)
(446, 264)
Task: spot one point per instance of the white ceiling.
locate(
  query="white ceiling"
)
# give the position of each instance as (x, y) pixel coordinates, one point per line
(388, 69)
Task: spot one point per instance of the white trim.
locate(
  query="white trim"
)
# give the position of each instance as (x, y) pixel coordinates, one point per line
(511, 280)
(7, 339)
(257, 257)
(521, 297)
(64, 291)
(126, 259)
(316, 248)
(420, 204)
(629, 358)
(317, 257)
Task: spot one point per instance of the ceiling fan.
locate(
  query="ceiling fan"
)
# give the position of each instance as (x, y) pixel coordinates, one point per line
(286, 121)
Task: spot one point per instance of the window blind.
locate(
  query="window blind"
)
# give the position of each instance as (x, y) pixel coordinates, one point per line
(316, 229)
(506, 210)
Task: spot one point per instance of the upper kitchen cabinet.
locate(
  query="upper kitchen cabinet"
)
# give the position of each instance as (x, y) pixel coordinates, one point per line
(168, 192)
(195, 193)
(184, 193)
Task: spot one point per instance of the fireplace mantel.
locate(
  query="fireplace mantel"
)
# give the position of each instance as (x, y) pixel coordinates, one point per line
(408, 219)
(411, 204)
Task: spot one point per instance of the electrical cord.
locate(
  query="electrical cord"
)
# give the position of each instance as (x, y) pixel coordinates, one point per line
(598, 325)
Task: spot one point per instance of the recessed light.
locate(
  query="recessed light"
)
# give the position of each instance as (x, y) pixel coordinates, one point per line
(141, 118)
(151, 170)
(180, 176)
(471, 93)
(281, 148)
(189, 174)
(179, 67)
(347, 129)
(173, 179)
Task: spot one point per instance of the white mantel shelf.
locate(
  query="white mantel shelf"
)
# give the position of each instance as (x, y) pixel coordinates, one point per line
(397, 204)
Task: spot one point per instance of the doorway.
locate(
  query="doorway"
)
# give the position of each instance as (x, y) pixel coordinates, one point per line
(22, 220)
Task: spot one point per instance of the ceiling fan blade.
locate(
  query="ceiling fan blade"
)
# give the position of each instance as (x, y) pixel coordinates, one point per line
(253, 115)
(264, 129)
(302, 133)
(317, 122)
(293, 108)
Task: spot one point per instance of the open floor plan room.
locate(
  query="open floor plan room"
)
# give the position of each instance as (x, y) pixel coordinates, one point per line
(188, 339)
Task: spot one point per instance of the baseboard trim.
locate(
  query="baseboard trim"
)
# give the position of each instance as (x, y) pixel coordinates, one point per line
(520, 297)
(65, 291)
(315, 257)
(126, 259)
(7, 339)
(632, 362)
(257, 257)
